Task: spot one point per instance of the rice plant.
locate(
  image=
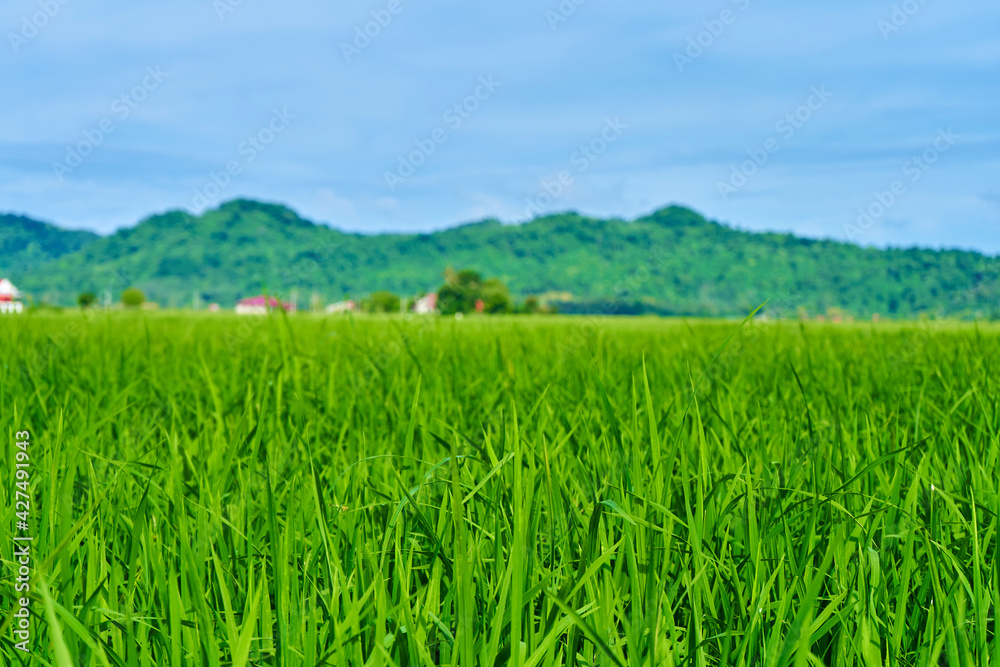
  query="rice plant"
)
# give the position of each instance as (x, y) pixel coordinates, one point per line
(209, 490)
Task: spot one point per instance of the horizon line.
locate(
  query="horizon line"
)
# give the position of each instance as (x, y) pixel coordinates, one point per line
(505, 223)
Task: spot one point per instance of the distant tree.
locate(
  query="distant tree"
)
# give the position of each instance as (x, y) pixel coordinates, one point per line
(469, 278)
(453, 299)
(530, 306)
(460, 291)
(133, 297)
(496, 297)
(534, 306)
(465, 291)
(382, 302)
(86, 299)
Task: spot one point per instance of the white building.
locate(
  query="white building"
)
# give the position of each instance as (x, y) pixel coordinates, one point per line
(261, 305)
(426, 305)
(342, 307)
(10, 297)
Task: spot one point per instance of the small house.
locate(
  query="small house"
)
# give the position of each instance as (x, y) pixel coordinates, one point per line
(10, 298)
(426, 305)
(342, 307)
(260, 305)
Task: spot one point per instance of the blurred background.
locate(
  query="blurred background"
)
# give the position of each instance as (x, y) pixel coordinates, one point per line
(400, 115)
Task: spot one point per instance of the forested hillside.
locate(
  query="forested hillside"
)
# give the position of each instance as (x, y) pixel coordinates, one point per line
(25, 244)
(672, 261)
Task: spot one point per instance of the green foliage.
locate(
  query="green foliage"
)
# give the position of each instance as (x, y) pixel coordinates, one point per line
(86, 299)
(309, 491)
(34, 306)
(460, 292)
(464, 291)
(381, 302)
(132, 297)
(26, 245)
(671, 261)
(454, 299)
(496, 297)
(532, 305)
(469, 278)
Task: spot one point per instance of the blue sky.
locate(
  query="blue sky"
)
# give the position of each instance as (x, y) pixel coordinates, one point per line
(781, 115)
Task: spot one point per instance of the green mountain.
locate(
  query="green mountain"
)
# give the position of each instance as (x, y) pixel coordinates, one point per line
(27, 244)
(671, 261)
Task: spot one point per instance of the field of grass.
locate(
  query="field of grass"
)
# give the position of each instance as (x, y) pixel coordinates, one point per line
(217, 491)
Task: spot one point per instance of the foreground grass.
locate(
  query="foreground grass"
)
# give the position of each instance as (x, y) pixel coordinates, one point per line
(215, 491)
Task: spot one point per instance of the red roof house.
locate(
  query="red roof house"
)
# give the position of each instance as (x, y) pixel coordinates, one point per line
(260, 305)
(10, 297)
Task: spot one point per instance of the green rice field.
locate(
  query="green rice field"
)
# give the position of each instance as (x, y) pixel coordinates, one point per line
(208, 490)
